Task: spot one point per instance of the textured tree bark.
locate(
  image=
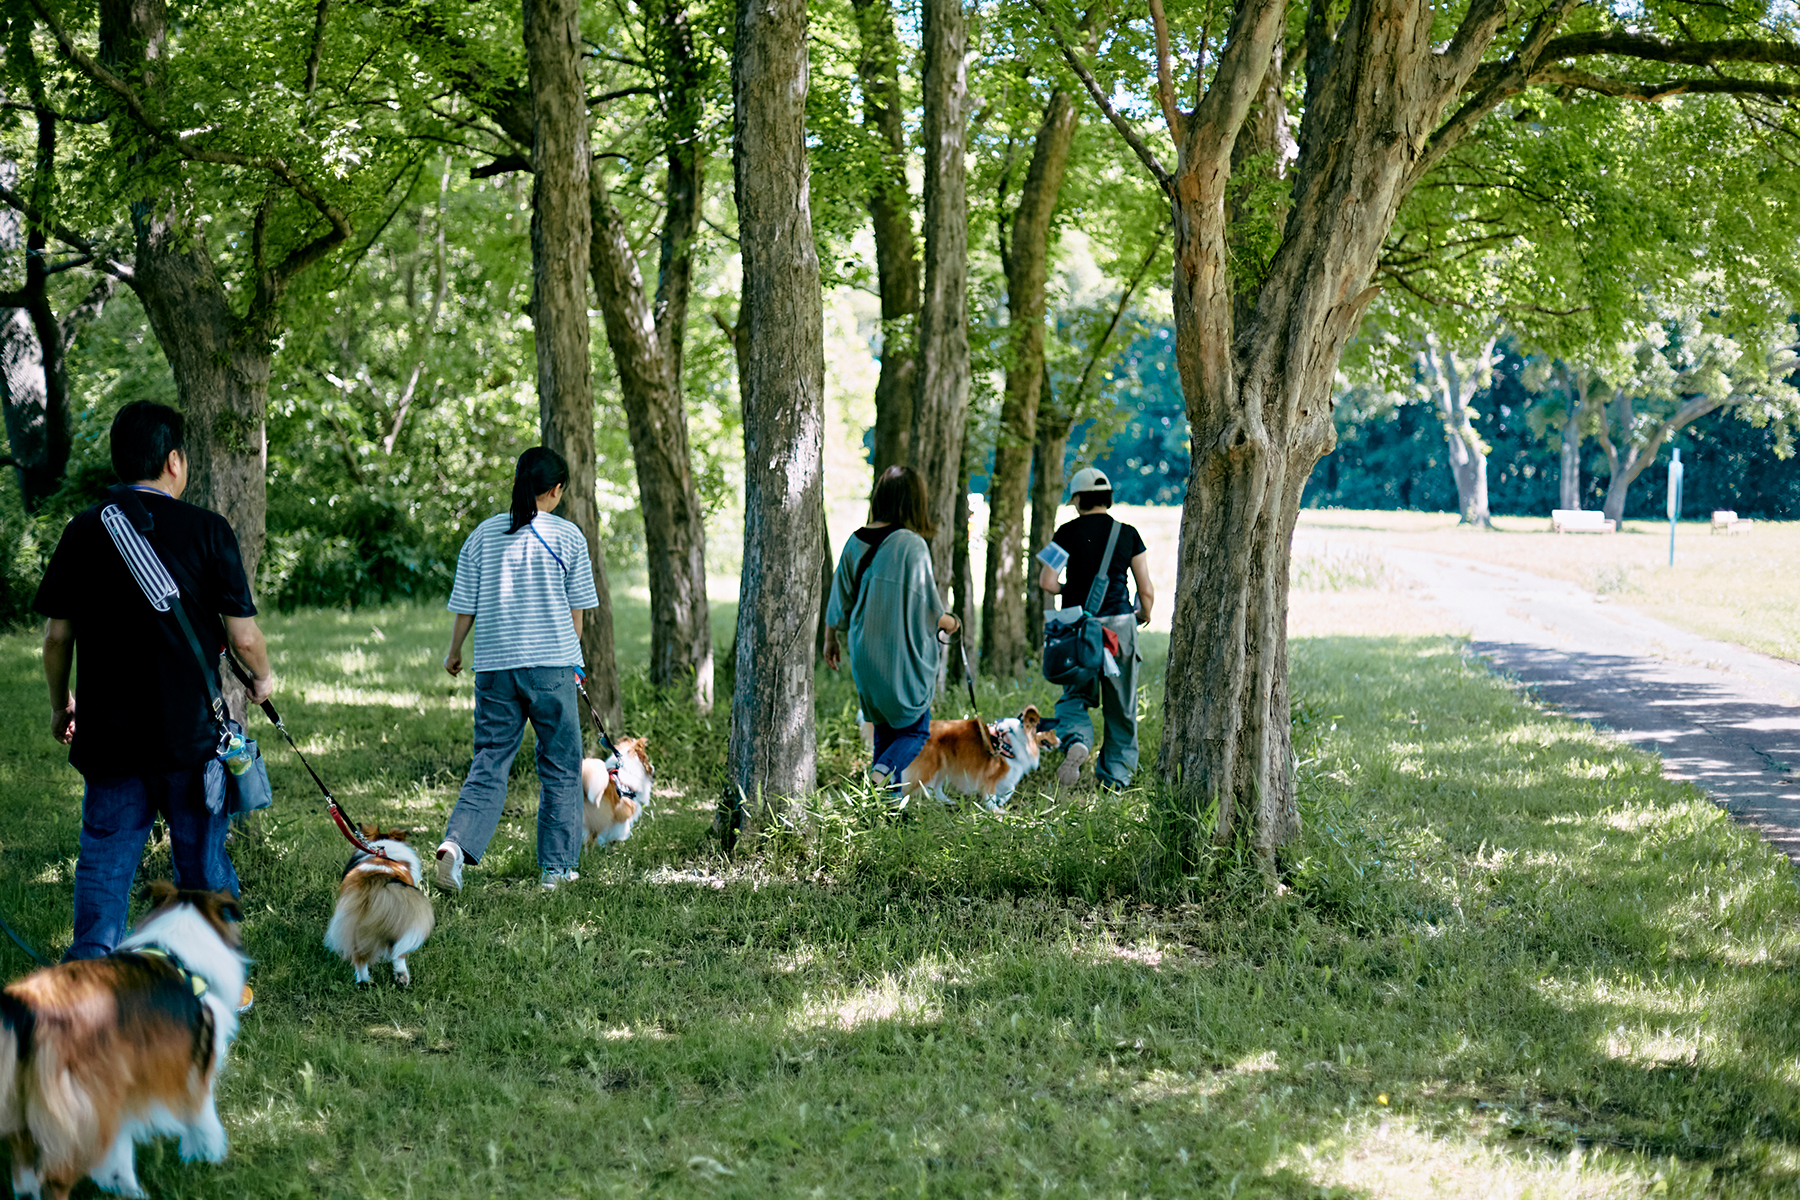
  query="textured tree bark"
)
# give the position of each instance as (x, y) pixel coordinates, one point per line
(220, 360)
(1453, 385)
(1048, 450)
(561, 232)
(1258, 376)
(890, 213)
(773, 755)
(1570, 481)
(647, 358)
(34, 391)
(1005, 636)
(941, 398)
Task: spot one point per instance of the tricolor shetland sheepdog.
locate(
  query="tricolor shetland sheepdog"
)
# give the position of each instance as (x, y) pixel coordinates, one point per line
(616, 788)
(381, 912)
(96, 1056)
(956, 757)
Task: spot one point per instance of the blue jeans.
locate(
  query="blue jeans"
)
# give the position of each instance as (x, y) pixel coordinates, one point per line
(504, 701)
(895, 748)
(116, 815)
(1116, 697)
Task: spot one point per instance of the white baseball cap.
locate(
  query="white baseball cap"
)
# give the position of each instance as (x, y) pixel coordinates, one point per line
(1089, 479)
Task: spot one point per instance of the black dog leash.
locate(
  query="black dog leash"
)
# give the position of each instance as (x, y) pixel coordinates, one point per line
(969, 681)
(336, 810)
(606, 742)
(20, 942)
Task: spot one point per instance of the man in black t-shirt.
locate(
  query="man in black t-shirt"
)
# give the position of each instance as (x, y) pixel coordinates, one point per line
(1116, 696)
(146, 740)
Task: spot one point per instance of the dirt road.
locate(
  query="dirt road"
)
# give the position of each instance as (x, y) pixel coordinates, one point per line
(1724, 717)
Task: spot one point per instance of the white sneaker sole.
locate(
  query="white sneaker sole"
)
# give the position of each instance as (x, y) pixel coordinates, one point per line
(446, 873)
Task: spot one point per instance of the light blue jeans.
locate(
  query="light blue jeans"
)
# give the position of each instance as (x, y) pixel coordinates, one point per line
(504, 701)
(1117, 700)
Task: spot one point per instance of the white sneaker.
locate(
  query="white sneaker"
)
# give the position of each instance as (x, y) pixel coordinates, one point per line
(1070, 770)
(552, 878)
(449, 866)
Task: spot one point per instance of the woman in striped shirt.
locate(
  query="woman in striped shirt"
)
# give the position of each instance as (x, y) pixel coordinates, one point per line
(885, 598)
(522, 581)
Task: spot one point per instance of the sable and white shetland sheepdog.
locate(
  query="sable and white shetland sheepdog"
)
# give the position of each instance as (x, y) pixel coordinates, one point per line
(381, 912)
(617, 788)
(96, 1056)
(956, 757)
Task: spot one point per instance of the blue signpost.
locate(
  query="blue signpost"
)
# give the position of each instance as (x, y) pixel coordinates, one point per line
(1675, 473)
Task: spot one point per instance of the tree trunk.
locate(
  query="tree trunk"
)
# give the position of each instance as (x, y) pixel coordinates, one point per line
(890, 213)
(1258, 378)
(941, 399)
(674, 520)
(33, 384)
(962, 574)
(1452, 385)
(561, 230)
(1570, 480)
(1629, 457)
(1005, 639)
(773, 754)
(1048, 450)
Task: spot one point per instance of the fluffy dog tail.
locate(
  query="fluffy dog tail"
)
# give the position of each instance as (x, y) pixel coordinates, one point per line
(376, 921)
(16, 1027)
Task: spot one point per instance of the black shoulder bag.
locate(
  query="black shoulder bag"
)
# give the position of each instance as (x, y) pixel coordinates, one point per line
(862, 568)
(127, 520)
(1074, 650)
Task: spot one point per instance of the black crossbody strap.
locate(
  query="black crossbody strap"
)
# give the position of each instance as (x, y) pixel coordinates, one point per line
(153, 577)
(862, 568)
(1097, 590)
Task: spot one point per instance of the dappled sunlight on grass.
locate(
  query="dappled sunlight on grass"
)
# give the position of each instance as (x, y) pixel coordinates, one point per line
(1394, 1156)
(1524, 938)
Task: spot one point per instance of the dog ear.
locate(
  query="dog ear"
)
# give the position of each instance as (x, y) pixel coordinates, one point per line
(1030, 716)
(369, 832)
(395, 835)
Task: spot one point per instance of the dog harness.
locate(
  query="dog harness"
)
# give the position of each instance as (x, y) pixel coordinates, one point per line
(194, 981)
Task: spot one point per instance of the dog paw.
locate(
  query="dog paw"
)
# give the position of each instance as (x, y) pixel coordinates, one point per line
(402, 979)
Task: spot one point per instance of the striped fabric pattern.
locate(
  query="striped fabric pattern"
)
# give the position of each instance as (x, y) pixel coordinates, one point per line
(159, 586)
(520, 596)
(894, 649)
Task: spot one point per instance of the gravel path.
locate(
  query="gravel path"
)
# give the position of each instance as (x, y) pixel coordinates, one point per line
(1722, 716)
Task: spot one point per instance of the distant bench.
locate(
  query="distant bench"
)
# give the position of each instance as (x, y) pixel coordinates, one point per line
(1726, 521)
(1579, 520)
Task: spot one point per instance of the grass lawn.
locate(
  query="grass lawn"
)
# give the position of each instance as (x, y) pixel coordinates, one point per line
(1511, 960)
(1736, 588)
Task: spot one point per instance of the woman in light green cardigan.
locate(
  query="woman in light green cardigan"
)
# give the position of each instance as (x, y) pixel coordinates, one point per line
(885, 598)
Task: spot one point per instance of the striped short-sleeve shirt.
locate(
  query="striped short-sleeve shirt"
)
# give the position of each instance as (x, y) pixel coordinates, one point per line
(519, 587)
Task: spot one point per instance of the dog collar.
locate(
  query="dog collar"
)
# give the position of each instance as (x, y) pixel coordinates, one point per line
(194, 981)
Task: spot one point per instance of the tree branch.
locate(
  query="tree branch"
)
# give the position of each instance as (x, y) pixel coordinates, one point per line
(318, 47)
(1653, 49)
(298, 259)
(117, 269)
(1165, 82)
(1132, 138)
(1631, 89)
(505, 164)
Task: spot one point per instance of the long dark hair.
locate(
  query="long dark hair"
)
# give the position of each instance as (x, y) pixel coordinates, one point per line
(539, 470)
(899, 499)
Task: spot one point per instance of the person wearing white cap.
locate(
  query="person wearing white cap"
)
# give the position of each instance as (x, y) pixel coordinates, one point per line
(1085, 538)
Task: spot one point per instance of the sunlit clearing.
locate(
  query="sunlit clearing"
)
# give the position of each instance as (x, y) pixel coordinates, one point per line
(1395, 1158)
(912, 996)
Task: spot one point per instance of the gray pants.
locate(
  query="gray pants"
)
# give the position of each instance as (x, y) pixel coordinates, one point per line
(1117, 700)
(504, 701)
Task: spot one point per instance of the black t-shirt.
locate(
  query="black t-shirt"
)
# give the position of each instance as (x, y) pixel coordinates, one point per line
(140, 700)
(1085, 540)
